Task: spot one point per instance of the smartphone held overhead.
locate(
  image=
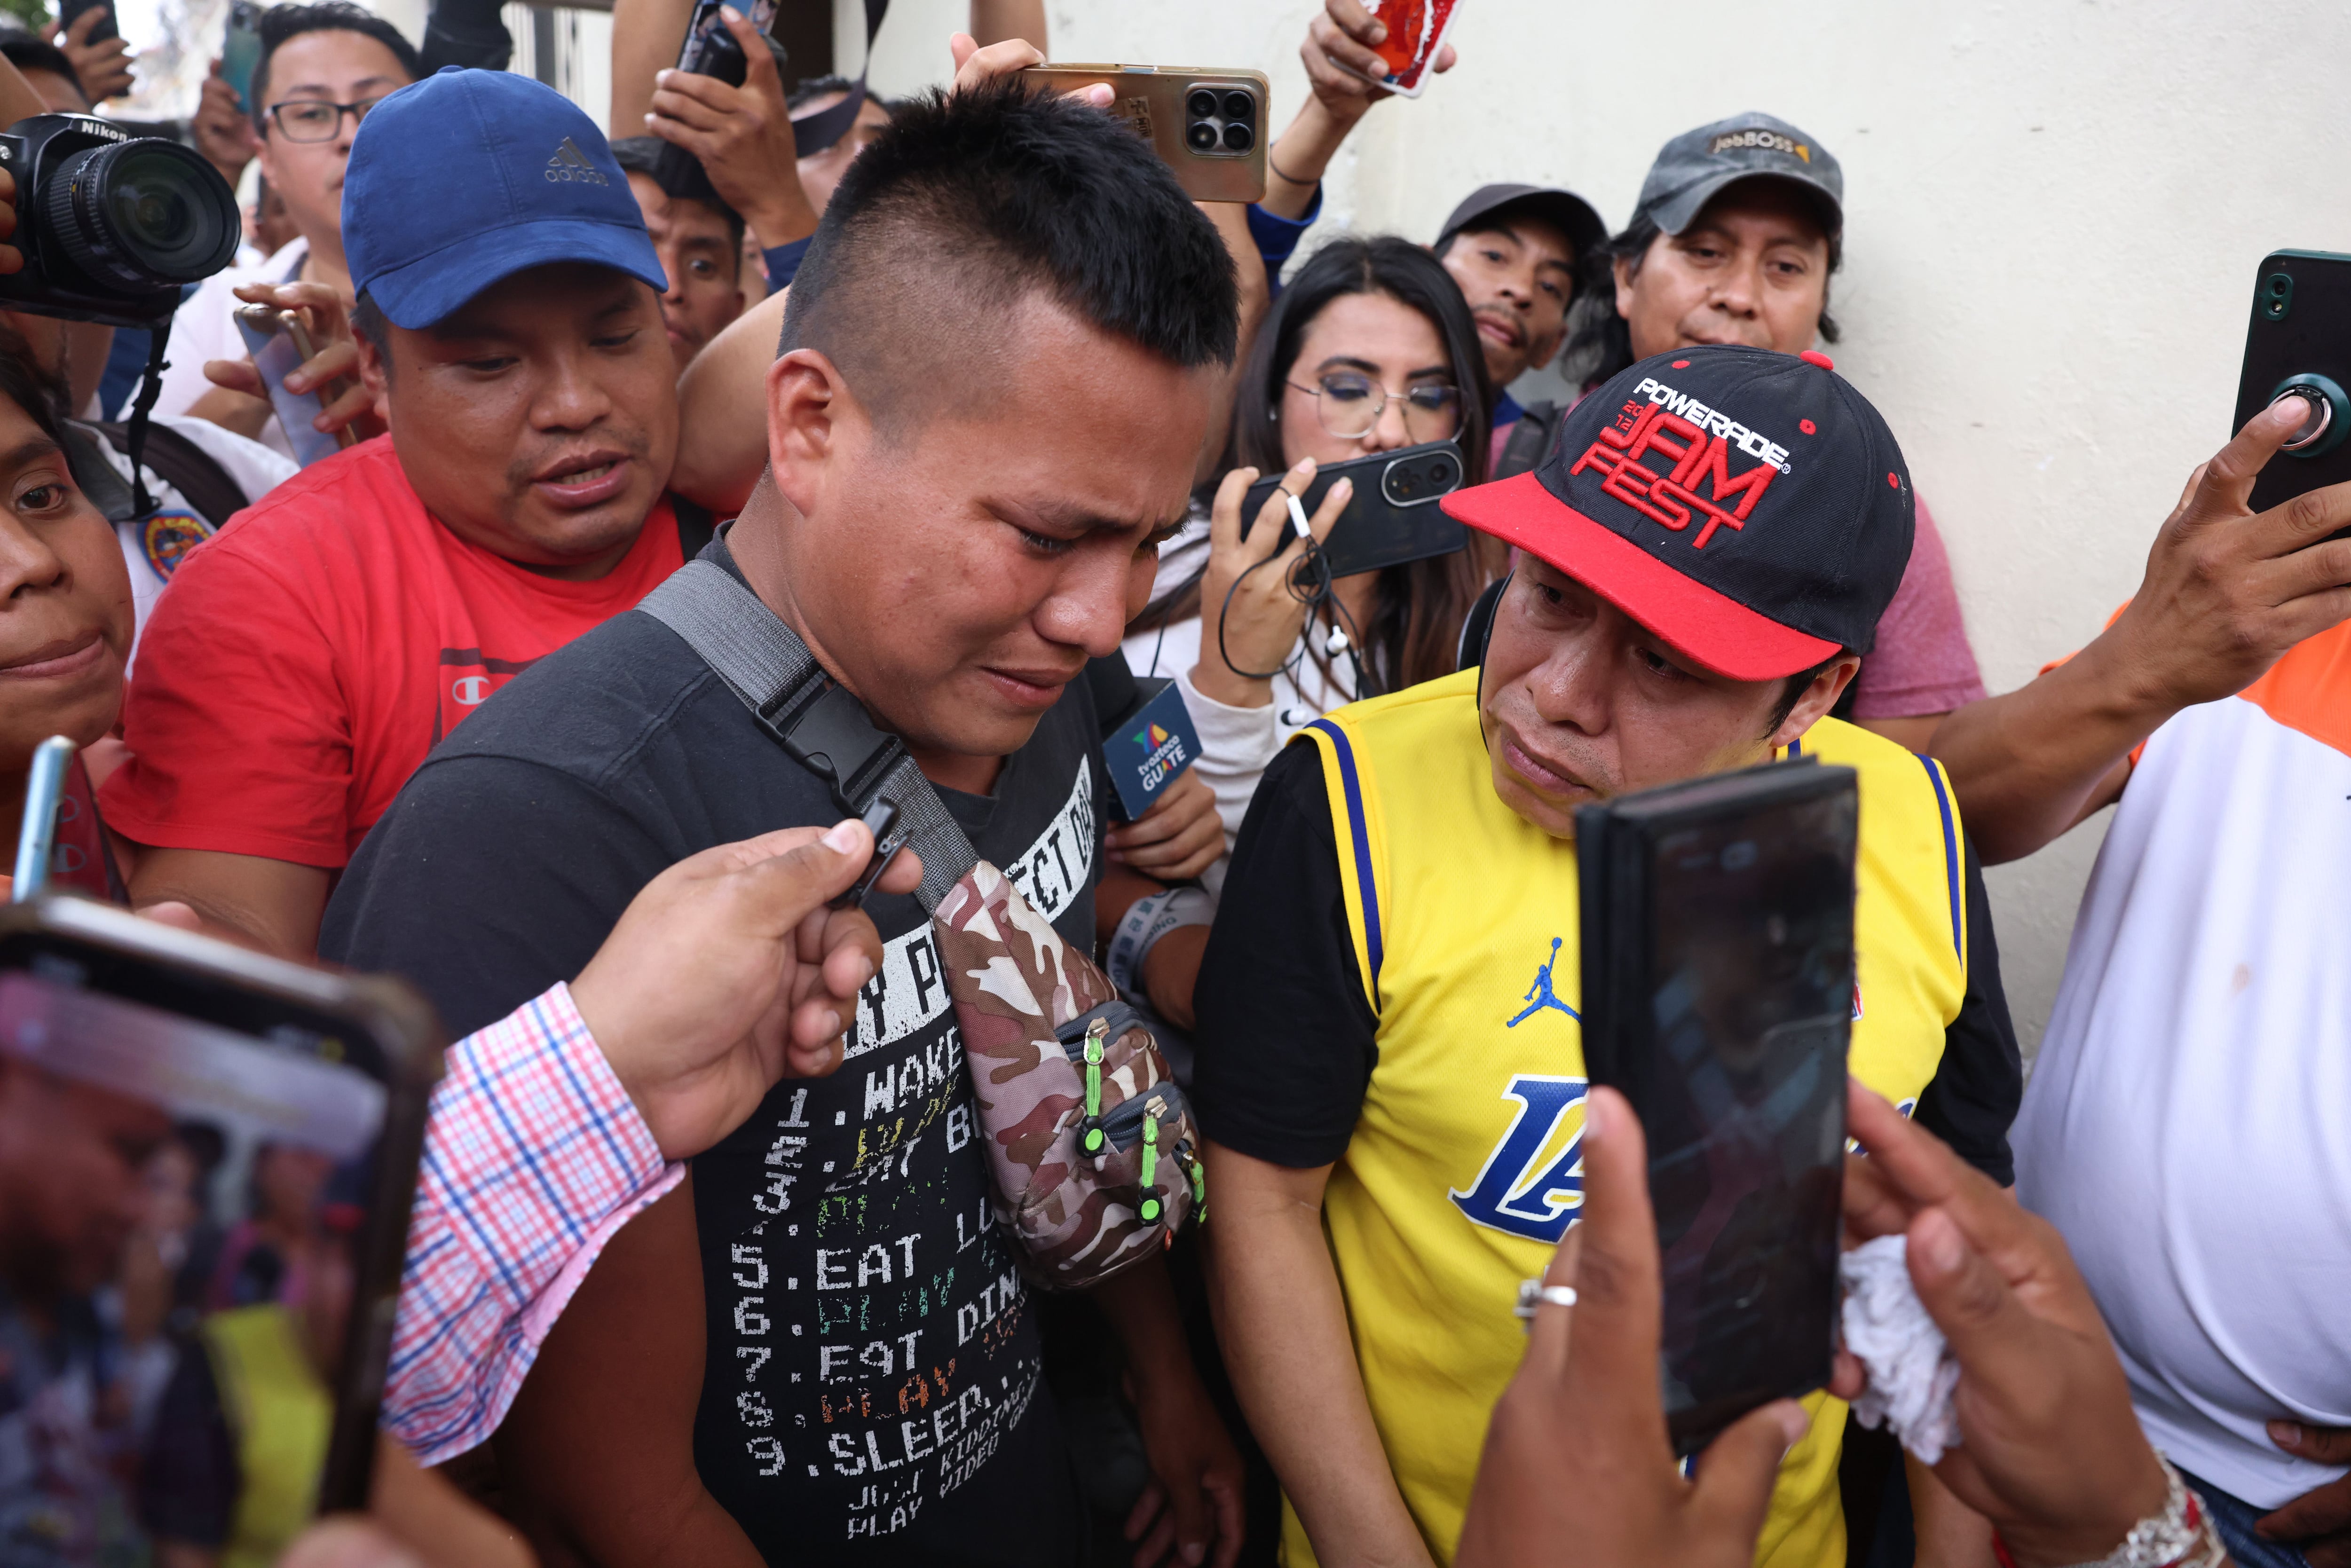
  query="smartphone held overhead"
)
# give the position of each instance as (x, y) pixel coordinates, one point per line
(1207, 124)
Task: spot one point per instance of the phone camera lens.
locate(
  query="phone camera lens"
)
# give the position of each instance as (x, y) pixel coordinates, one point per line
(1239, 138)
(1239, 106)
(1202, 136)
(1440, 471)
(1407, 485)
(1201, 103)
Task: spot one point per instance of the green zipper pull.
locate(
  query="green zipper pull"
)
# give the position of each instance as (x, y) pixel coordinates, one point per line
(1093, 1141)
(1150, 1208)
(1199, 1192)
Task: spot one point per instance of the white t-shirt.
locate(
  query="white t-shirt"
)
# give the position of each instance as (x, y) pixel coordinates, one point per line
(154, 548)
(2188, 1126)
(204, 327)
(1236, 744)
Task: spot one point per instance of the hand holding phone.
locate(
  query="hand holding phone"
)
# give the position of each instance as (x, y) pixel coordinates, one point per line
(1380, 46)
(280, 344)
(1251, 611)
(1391, 516)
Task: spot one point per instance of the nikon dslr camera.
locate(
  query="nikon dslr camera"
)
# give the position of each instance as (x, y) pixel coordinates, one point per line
(110, 226)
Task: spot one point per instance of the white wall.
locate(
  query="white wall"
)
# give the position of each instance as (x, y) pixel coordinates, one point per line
(2054, 213)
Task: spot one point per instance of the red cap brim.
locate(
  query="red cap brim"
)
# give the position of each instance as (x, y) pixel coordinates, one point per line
(1715, 632)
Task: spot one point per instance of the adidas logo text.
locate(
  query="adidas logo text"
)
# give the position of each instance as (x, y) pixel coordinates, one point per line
(571, 164)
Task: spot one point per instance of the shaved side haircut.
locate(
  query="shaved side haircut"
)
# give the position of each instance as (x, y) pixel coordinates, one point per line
(964, 209)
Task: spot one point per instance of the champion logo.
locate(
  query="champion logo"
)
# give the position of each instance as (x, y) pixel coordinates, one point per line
(570, 164)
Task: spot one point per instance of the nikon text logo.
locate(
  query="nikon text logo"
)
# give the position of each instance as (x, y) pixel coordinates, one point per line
(1767, 141)
(570, 164)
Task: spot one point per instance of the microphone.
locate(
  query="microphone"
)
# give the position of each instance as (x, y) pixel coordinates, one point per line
(1147, 734)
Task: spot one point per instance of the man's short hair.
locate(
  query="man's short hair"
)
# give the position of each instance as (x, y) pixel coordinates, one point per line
(28, 52)
(967, 203)
(643, 155)
(281, 25)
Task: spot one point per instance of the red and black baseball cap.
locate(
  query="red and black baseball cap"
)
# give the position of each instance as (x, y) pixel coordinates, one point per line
(1749, 507)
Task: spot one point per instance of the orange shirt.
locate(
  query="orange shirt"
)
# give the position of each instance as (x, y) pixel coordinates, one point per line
(308, 656)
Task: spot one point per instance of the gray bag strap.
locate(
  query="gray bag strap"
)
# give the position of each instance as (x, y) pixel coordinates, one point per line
(816, 720)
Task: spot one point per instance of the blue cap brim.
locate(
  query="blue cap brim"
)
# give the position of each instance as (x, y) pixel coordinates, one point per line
(436, 284)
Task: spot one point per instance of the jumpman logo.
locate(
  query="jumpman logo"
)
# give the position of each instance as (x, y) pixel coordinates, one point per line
(1540, 995)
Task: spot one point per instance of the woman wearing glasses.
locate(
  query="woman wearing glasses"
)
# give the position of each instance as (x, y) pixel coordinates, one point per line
(1369, 347)
(322, 69)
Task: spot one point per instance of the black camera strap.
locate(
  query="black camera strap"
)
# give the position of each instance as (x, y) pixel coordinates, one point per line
(158, 338)
(819, 723)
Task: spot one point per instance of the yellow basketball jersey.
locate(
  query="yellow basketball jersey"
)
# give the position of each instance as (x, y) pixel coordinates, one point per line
(1464, 1169)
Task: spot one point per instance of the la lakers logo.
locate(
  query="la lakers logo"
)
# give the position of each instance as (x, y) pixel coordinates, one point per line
(1532, 1184)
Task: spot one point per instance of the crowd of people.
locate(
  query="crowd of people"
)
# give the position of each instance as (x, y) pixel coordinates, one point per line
(705, 1263)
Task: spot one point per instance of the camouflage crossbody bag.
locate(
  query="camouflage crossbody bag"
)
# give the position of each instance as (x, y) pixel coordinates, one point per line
(1092, 1145)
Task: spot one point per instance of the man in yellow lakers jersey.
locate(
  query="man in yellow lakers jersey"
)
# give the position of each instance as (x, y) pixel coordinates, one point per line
(1390, 1073)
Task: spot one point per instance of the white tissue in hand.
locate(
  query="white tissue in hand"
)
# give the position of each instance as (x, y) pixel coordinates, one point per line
(1911, 1370)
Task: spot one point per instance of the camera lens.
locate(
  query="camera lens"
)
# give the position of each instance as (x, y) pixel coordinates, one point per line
(1407, 486)
(1440, 471)
(1239, 138)
(146, 214)
(1239, 106)
(1201, 103)
(1202, 136)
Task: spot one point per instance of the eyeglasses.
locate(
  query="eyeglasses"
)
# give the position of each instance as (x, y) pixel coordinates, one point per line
(315, 119)
(1350, 407)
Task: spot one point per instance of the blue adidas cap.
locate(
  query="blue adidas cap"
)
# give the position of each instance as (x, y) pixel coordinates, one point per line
(471, 176)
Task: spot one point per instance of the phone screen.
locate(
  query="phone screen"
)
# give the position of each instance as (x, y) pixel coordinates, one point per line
(1751, 1007)
(181, 1204)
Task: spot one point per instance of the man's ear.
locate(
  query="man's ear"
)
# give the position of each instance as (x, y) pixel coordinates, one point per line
(1817, 700)
(1622, 269)
(375, 369)
(809, 407)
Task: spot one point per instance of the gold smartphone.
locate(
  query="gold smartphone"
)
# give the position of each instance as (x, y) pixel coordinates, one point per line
(1206, 123)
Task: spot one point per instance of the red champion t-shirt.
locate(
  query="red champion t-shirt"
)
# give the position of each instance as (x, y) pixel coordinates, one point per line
(308, 656)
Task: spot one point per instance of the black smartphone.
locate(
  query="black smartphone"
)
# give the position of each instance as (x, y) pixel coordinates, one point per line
(2300, 341)
(207, 1157)
(70, 12)
(1718, 997)
(1392, 519)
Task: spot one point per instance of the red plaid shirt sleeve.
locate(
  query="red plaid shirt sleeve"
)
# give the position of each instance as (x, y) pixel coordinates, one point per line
(533, 1157)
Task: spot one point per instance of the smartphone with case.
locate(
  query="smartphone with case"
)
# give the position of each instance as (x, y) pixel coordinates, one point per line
(245, 1135)
(1416, 30)
(1392, 519)
(1206, 123)
(710, 50)
(2299, 341)
(1717, 974)
(70, 11)
(241, 49)
(278, 343)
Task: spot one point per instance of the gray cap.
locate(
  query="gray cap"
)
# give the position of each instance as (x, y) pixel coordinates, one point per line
(1563, 210)
(1695, 164)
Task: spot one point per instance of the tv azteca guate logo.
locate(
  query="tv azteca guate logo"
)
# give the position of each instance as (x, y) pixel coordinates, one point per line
(1163, 753)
